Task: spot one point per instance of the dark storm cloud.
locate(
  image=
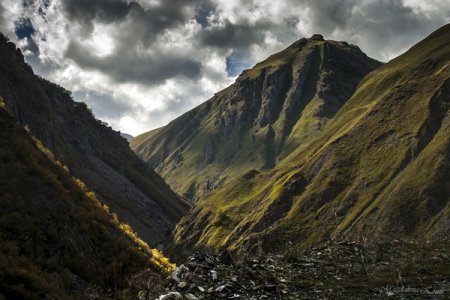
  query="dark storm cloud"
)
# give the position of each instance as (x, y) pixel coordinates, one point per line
(2, 20)
(237, 36)
(199, 44)
(203, 10)
(140, 27)
(390, 23)
(390, 15)
(381, 27)
(329, 14)
(131, 66)
(145, 23)
(86, 11)
(104, 105)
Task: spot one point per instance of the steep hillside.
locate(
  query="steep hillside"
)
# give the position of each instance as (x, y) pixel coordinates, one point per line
(380, 170)
(57, 242)
(92, 151)
(267, 113)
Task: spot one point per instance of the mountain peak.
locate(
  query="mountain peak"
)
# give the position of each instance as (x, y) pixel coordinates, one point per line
(316, 37)
(270, 110)
(378, 170)
(307, 49)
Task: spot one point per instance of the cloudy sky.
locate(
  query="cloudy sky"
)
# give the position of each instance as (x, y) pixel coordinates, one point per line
(139, 64)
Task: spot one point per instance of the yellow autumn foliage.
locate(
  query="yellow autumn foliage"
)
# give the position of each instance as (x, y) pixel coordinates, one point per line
(157, 259)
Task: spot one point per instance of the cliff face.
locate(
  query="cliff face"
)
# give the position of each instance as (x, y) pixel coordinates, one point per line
(378, 171)
(93, 152)
(270, 111)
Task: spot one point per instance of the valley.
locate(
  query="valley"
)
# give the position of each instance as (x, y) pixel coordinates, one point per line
(320, 173)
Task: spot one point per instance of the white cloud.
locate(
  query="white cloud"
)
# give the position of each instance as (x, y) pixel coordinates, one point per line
(101, 41)
(140, 66)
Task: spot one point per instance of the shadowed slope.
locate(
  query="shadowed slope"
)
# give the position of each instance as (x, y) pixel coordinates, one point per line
(57, 242)
(93, 152)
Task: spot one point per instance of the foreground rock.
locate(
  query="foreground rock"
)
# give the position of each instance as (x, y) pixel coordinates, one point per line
(341, 271)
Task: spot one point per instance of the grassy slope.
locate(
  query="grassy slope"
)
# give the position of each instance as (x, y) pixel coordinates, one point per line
(55, 238)
(270, 110)
(92, 151)
(379, 170)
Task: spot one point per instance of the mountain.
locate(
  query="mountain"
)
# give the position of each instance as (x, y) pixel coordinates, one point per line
(269, 111)
(57, 242)
(127, 136)
(379, 170)
(92, 151)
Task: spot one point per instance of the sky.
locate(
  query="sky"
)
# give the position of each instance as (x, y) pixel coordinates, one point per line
(139, 64)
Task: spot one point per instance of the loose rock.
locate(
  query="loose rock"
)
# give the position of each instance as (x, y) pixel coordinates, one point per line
(171, 296)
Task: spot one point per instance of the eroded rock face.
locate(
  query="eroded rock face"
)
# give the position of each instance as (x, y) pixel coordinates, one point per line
(267, 113)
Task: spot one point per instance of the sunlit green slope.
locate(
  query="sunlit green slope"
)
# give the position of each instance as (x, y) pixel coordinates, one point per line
(267, 113)
(379, 170)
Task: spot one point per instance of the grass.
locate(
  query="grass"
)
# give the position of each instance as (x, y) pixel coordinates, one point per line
(91, 150)
(374, 171)
(245, 142)
(55, 232)
(50, 226)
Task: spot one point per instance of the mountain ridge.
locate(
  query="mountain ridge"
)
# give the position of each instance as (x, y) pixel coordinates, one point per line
(57, 240)
(269, 111)
(379, 170)
(92, 151)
